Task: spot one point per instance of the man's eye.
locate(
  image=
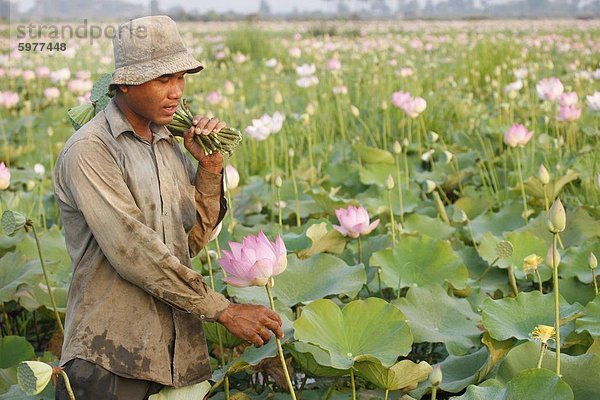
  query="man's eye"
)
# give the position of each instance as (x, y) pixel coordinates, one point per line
(163, 79)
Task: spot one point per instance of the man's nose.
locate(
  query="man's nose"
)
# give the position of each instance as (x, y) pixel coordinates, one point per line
(175, 90)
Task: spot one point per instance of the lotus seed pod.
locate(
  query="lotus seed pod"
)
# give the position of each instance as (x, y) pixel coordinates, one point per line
(33, 376)
(278, 181)
(12, 222)
(543, 175)
(389, 182)
(435, 377)
(557, 217)
(397, 147)
(459, 216)
(504, 249)
(592, 261)
(549, 260)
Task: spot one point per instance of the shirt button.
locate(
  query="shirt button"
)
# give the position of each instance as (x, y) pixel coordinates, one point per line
(202, 316)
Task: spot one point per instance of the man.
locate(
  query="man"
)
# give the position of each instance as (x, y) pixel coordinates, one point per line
(135, 210)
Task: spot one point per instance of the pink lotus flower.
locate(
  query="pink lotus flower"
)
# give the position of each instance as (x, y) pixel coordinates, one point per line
(266, 125)
(51, 93)
(213, 98)
(593, 101)
(254, 261)
(295, 52)
(42, 72)
(568, 99)
(4, 176)
(517, 136)
(399, 98)
(415, 106)
(80, 87)
(340, 89)
(549, 89)
(569, 113)
(334, 64)
(9, 99)
(354, 221)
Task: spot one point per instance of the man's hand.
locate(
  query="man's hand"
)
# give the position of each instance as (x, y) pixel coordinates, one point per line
(203, 126)
(251, 322)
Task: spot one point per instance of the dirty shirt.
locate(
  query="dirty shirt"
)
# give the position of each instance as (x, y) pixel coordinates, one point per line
(134, 213)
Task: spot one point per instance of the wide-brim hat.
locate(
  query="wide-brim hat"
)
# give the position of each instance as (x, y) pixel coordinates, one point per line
(148, 47)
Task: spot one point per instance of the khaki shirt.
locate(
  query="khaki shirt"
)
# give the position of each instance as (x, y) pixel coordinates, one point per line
(134, 213)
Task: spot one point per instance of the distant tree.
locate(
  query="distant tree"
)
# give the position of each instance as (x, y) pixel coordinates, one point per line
(264, 8)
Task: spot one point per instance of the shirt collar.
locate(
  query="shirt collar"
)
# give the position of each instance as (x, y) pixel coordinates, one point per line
(119, 124)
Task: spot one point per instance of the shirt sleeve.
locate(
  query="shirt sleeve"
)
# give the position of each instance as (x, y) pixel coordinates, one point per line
(211, 207)
(97, 187)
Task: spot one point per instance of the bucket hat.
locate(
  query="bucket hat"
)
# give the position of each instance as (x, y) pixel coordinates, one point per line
(148, 47)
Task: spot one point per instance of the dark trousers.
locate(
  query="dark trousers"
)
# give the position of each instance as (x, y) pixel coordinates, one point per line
(92, 382)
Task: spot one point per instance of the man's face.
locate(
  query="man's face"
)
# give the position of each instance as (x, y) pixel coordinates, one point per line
(156, 100)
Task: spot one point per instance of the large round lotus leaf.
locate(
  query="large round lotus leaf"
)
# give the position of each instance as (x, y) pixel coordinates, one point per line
(580, 372)
(574, 262)
(306, 280)
(432, 227)
(228, 339)
(376, 174)
(458, 372)
(506, 220)
(574, 291)
(580, 228)
(403, 374)
(15, 271)
(530, 384)
(323, 240)
(13, 350)
(523, 244)
(375, 199)
(373, 154)
(355, 333)
(190, 392)
(517, 317)
(488, 390)
(433, 317)
(472, 206)
(312, 360)
(420, 261)
(590, 321)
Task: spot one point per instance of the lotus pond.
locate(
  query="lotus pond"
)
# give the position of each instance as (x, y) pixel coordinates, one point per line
(457, 136)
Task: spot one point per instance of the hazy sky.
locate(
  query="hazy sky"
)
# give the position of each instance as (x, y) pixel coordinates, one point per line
(247, 6)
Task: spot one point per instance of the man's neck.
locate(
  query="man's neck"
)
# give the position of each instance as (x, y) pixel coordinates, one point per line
(140, 125)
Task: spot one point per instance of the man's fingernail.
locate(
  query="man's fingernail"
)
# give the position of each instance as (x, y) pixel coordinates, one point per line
(204, 131)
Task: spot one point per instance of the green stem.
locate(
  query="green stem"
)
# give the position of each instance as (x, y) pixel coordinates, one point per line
(525, 211)
(279, 348)
(295, 193)
(512, 281)
(359, 251)
(539, 280)
(556, 304)
(542, 351)
(387, 394)
(280, 211)
(399, 183)
(434, 392)
(67, 384)
(594, 280)
(39, 249)
(353, 384)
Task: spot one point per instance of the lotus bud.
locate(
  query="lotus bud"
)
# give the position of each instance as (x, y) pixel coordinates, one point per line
(397, 147)
(278, 181)
(557, 217)
(278, 98)
(291, 152)
(432, 136)
(12, 222)
(435, 377)
(354, 110)
(310, 109)
(384, 105)
(33, 376)
(389, 183)
(428, 155)
(543, 175)
(592, 261)
(429, 186)
(405, 143)
(449, 156)
(549, 261)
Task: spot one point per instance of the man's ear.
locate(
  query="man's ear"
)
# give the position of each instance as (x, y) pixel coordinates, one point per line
(123, 88)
